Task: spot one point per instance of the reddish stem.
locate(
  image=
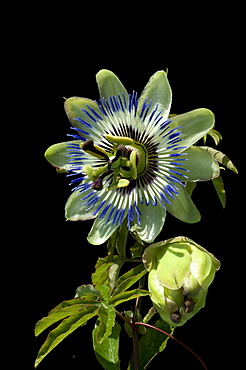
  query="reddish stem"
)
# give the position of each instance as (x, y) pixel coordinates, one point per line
(176, 340)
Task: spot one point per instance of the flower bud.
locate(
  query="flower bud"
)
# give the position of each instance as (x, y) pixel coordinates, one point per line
(180, 272)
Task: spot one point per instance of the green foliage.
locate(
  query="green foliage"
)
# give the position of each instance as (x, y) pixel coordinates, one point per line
(151, 343)
(99, 299)
(218, 184)
(107, 352)
(74, 321)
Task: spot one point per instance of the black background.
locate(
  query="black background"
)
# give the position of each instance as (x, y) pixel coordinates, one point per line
(56, 257)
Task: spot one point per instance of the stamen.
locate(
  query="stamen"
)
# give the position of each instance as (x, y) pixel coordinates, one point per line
(89, 147)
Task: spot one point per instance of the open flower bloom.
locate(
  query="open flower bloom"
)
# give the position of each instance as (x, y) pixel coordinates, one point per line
(132, 159)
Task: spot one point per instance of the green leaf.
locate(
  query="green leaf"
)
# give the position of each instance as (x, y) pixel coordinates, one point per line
(137, 250)
(104, 290)
(129, 278)
(114, 273)
(107, 320)
(64, 329)
(220, 190)
(151, 343)
(87, 290)
(64, 309)
(121, 241)
(126, 296)
(101, 275)
(107, 352)
(221, 158)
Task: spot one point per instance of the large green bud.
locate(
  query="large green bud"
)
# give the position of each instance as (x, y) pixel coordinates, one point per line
(180, 272)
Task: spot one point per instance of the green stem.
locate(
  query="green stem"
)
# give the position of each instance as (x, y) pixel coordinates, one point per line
(120, 240)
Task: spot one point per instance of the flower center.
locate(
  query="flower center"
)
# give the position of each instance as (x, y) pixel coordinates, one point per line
(126, 164)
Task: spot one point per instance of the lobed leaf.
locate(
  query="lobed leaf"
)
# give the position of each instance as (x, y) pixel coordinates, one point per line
(64, 309)
(64, 329)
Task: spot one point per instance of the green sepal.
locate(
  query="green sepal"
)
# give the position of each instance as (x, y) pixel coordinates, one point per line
(109, 84)
(74, 211)
(76, 108)
(171, 273)
(200, 165)
(183, 207)
(194, 125)
(107, 352)
(148, 255)
(158, 91)
(57, 155)
(151, 343)
(190, 187)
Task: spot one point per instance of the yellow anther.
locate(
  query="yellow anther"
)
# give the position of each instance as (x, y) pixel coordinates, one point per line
(119, 140)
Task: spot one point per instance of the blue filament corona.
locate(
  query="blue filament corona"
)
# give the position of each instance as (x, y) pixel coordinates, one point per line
(114, 108)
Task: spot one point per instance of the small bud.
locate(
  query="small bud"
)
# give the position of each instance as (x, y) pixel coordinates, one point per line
(175, 317)
(189, 305)
(180, 272)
